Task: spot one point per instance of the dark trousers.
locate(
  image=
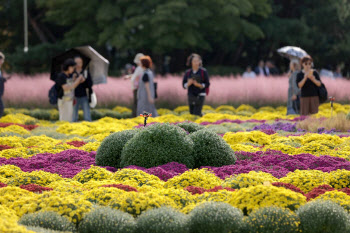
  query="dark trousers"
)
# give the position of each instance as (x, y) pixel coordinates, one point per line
(1, 107)
(134, 103)
(196, 104)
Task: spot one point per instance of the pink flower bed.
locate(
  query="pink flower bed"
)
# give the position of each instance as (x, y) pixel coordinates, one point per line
(223, 90)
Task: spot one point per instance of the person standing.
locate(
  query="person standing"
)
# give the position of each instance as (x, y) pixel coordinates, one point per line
(293, 103)
(2, 84)
(82, 92)
(65, 90)
(259, 70)
(249, 73)
(146, 89)
(196, 81)
(135, 78)
(308, 81)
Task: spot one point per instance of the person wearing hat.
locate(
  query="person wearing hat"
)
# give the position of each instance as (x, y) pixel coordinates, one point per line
(2, 84)
(65, 90)
(135, 78)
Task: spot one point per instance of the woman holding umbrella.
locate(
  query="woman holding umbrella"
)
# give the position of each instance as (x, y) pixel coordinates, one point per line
(65, 90)
(308, 81)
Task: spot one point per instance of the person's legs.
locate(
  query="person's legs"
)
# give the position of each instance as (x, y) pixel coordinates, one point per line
(76, 110)
(304, 106)
(65, 109)
(314, 103)
(198, 106)
(191, 103)
(1, 108)
(86, 108)
(134, 106)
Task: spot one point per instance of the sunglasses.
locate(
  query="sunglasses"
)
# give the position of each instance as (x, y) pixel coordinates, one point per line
(308, 63)
(1, 57)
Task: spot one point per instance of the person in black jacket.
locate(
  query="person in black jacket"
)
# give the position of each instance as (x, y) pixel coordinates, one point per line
(82, 92)
(308, 81)
(2, 84)
(196, 81)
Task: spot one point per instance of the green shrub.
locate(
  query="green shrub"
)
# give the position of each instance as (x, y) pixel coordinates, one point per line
(216, 217)
(190, 126)
(47, 219)
(163, 219)
(107, 220)
(44, 230)
(323, 216)
(211, 150)
(156, 145)
(110, 150)
(272, 220)
(95, 114)
(40, 114)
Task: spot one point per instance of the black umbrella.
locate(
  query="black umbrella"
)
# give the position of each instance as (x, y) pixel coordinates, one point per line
(57, 61)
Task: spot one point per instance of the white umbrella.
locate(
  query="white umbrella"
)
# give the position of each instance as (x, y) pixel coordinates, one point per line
(98, 65)
(291, 52)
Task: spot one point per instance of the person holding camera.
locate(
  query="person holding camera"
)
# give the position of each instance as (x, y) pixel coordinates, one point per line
(65, 90)
(82, 92)
(308, 81)
(196, 81)
(2, 84)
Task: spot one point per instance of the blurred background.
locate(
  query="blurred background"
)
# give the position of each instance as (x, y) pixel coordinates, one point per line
(229, 34)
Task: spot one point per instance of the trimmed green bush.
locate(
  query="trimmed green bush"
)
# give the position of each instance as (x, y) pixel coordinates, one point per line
(211, 150)
(44, 230)
(107, 220)
(163, 219)
(156, 145)
(216, 217)
(40, 114)
(190, 126)
(323, 216)
(272, 220)
(49, 220)
(110, 150)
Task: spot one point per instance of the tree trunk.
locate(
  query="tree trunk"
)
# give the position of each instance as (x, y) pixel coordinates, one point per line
(37, 30)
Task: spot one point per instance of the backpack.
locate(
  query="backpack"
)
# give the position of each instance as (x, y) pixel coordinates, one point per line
(203, 78)
(53, 95)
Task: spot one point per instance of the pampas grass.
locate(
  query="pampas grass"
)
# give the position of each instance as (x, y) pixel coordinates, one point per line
(32, 91)
(337, 122)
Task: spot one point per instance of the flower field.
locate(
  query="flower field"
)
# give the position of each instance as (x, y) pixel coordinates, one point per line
(233, 170)
(233, 90)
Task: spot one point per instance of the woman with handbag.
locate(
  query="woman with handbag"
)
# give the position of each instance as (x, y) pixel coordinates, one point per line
(308, 81)
(293, 103)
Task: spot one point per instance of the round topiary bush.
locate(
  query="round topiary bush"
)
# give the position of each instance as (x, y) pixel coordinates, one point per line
(163, 219)
(49, 220)
(156, 145)
(110, 150)
(211, 150)
(106, 220)
(323, 216)
(272, 220)
(190, 126)
(216, 217)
